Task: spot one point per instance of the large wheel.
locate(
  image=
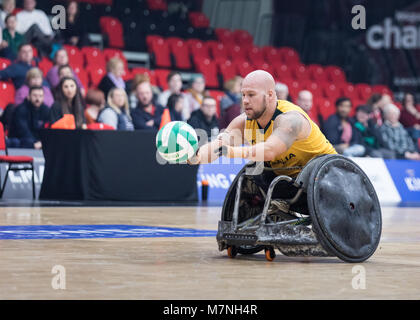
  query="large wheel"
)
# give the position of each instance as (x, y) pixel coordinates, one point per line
(345, 210)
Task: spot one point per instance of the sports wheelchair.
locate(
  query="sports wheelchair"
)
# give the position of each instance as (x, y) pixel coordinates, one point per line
(343, 216)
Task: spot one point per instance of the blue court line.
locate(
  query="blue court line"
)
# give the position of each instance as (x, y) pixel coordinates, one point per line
(96, 231)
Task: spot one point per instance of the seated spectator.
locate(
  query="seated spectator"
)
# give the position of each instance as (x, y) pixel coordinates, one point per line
(370, 136)
(69, 100)
(341, 133)
(95, 102)
(175, 106)
(34, 79)
(75, 33)
(205, 118)
(376, 103)
(117, 112)
(282, 91)
(194, 96)
(305, 101)
(61, 58)
(138, 78)
(174, 81)
(8, 7)
(146, 115)
(395, 137)
(113, 79)
(28, 118)
(230, 105)
(35, 26)
(17, 70)
(11, 39)
(410, 116)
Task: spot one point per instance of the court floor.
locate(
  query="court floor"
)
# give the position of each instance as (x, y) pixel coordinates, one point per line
(171, 253)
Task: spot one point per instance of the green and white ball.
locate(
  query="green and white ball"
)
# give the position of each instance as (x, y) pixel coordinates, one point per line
(177, 142)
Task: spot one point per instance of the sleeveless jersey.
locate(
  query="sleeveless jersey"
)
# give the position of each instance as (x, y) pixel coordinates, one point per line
(300, 152)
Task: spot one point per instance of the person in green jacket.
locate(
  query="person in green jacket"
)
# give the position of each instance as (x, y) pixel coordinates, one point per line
(11, 38)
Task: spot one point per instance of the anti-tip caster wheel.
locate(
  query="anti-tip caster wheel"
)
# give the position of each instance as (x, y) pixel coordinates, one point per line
(232, 251)
(270, 254)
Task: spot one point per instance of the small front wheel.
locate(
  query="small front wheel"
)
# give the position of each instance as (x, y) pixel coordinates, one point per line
(270, 254)
(232, 251)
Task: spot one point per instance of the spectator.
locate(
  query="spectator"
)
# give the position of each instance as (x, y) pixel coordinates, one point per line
(341, 133)
(395, 137)
(11, 39)
(17, 71)
(175, 106)
(34, 79)
(117, 111)
(8, 7)
(371, 138)
(146, 115)
(28, 118)
(194, 96)
(35, 26)
(74, 34)
(282, 91)
(139, 78)
(174, 81)
(205, 118)
(377, 102)
(61, 58)
(410, 116)
(230, 104)
(305, 101)
(69, 100)
(115, 69)
(95, 102)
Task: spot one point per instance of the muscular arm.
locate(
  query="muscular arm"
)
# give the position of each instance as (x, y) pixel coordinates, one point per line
(232, 136)
(287, 128)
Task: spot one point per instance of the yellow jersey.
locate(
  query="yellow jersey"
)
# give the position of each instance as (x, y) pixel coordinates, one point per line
(301, 151)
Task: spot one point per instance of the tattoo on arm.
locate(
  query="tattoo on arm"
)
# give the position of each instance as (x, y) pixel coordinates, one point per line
(288, 127)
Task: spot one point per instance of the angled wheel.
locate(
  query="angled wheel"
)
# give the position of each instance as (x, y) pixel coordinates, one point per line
(270, 254)
(232, 251)
(345, 210)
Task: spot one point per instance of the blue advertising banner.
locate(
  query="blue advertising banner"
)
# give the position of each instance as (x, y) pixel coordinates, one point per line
(406, 176)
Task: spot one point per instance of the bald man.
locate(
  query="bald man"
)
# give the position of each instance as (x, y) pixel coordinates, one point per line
(277, 132)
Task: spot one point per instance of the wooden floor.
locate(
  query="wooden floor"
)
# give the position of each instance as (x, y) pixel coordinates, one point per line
(192, 267)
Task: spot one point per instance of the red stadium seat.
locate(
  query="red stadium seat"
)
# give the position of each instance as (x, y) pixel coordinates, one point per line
(45, 65)
(312, 86)
(225, 35)
(181, 53)
(227, 70)
(382, 89)
(76, 58)
(364, 91)
(150, 73)
(113, 28)
(198, 48)
(7, 94)
(110, 53)
(272, 55)
(94, 57)
(157, 5)
(331, 91)
(335, 74)
(243, 37)
(264, 66)
(256, 55)
(217, 95)
(217, 49)
(99, 126)
(4, 63)
(282, 71)
(95, 73)
(83, 76)
(209, 70)
(325, 108)
(294, 87)
(316, 73)
(161, 76)
(236, 52)
(348, 90)
(289, 55)
(161, 52)
(299, 72)
(199, 20)
(243, 67)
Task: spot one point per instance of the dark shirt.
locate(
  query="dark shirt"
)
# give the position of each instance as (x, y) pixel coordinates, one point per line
(333, 130)
(370, 136)
(140, 117)
(28, 120)
(199, 121)
(14, 43)
(17, 72)
(56, 113)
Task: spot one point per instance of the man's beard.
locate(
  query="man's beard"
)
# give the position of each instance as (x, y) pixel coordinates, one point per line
(258, 114)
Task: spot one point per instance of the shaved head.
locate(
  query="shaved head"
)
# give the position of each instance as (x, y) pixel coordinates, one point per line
(258, 94)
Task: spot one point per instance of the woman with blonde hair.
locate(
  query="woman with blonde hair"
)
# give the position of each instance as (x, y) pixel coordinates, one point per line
(115, 69)
(34, 79)
(117, 111)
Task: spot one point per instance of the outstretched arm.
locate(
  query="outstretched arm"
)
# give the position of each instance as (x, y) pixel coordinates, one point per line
(287, 128)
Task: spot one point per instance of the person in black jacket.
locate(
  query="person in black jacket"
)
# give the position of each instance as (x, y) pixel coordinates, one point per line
(28, 118)
(341, 132)
(205, 118)
(175, 106)
(115, 69)
(146, 115)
